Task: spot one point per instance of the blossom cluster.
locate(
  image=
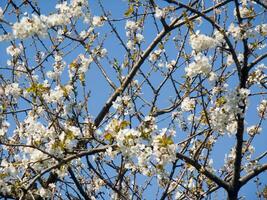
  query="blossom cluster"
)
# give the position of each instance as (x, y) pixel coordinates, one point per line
(201, 65)
(39, 25)
(123, 105)
(143, 144)
(200, 42)
(133, 33)
(223, 114)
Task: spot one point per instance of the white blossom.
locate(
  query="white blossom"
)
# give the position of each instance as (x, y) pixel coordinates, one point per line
(213, 77)
(159, 13)
(14, 51)
(153, 57)
(201, 65)
(13, 89)
(178, 195)
(235, 31)
(131, 25)
(54, 95)
(262, 108)
(29, 26)
(4, 128)
(130, 45)
(188, 104)
(98, 21)
(200, 42)
(1, 13)
(163, 147)
(218, 36)
(253, 130)
(123, 104)
(85, 62)
(139, 38)
(262, 29)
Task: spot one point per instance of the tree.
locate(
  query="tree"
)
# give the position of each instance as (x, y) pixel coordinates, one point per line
(137, 99)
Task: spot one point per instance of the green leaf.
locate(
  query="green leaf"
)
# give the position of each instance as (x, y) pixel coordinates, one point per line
(108, 136)
(124, 124)
(129, 11)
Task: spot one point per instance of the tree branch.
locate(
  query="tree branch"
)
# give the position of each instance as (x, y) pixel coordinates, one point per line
(204, 171)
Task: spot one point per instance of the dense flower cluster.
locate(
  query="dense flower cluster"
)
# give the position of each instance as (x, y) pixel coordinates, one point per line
(201, 65)
(39, 25)
(133, 33)
(200, 42)
(164, 148)
(187, 104)
(223, 114)
(13, 89)
(143, 144)
(123, 105)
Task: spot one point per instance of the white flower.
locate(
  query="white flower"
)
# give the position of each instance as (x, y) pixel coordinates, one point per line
(218, 36)
(256, 76)
(130, 45)
(229, 60)
(98, 21)
(262, 29)
(187, 104)
(243, 92)
(244, 12)
(231, 127)
(103, 52)
(62, 7)
(13, 89)
(139, 38)
(262, 108)
(201, 65)
(39, 25)
(171, 65)
(131, 25)
(235, 31)
(212, 77)
(83, 34)
(178, 195)
(164, 149)
(1, 13)
(79, 3)
(44, 192)
(36, 155)
(4, 128)
(6, 37)
(223, 114)
(153, 57)
(123, 105)
(200, 42)
(54, 96)
(55, 20)
(111, 153)
(29, 26)
(85, 62)
(14, 51)
(253, 130)
(159, 13)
